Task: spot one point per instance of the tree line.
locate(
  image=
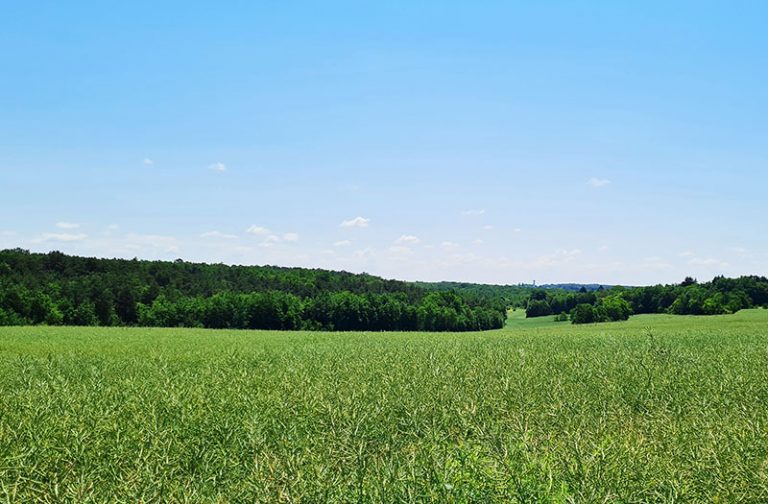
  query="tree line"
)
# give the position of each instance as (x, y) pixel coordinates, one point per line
(58, 289)
(720, 296)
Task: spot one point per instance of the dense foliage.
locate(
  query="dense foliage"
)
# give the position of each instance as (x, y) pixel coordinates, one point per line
(499, 296)
(720, 296)
(57, 289)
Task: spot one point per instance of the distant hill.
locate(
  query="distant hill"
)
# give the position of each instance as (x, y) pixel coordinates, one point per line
(576, 287)
(509, 295)
(506, 295)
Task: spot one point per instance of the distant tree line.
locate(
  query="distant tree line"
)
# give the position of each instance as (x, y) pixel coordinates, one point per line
(720, 296)
(499, 296)
(57, 289)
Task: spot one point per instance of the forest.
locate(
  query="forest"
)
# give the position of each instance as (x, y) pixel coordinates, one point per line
(720, 296)
(58, 289)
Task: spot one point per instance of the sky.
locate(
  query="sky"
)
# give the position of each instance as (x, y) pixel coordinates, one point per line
(498, 142)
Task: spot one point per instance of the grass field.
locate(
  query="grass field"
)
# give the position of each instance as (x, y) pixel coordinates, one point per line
(657, 409)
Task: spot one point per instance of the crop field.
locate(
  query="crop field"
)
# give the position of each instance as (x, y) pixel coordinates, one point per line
(656, 409)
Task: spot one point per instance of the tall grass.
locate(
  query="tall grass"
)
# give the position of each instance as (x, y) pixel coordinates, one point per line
(658, 409)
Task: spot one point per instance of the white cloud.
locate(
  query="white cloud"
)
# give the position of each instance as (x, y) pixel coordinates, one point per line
(488, 227)
(343, 243)
(148, 162)
(408, 239)
(218, 167)
(272, 239)
(357, 222)
(447, 245)
(258, 230)
(63, 237)
(290, 237)
(67, 225)
(218, 234)
(474, 213)
(598, 182)
(686, 254)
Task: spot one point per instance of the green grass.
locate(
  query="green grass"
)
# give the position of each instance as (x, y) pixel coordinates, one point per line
(656, 409)
(516, 320)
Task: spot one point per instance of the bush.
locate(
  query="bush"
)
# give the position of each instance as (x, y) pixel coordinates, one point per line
(538, 308)
(616, 308)
(584, 314)
(714, 305)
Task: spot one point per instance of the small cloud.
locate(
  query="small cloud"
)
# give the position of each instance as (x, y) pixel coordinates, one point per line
(218, 234)
(473, 213)
(488, 227)
(603, 248)
(343, 243)
(447, 245)
(148, 162)
(64, 237)
(408, 239)
(270, 241)
(686, 254)
(357, 222)
(67, 225)
(290, 237)
(598, 182)
(258, 230)
(218, 167)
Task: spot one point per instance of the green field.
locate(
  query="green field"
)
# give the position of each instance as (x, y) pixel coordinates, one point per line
(657, 409)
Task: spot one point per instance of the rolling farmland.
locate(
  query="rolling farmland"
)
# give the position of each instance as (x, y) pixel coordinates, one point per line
(659, 408)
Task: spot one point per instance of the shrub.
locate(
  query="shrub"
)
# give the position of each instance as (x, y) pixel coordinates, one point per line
(584, 314)
(538, 308)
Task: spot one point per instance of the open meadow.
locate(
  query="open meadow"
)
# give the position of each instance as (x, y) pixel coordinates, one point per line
(656, 409)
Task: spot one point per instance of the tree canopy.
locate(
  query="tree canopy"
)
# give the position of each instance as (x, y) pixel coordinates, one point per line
(56, 289)
(720, 296)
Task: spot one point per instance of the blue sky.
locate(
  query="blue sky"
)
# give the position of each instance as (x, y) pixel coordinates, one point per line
(499, 142)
